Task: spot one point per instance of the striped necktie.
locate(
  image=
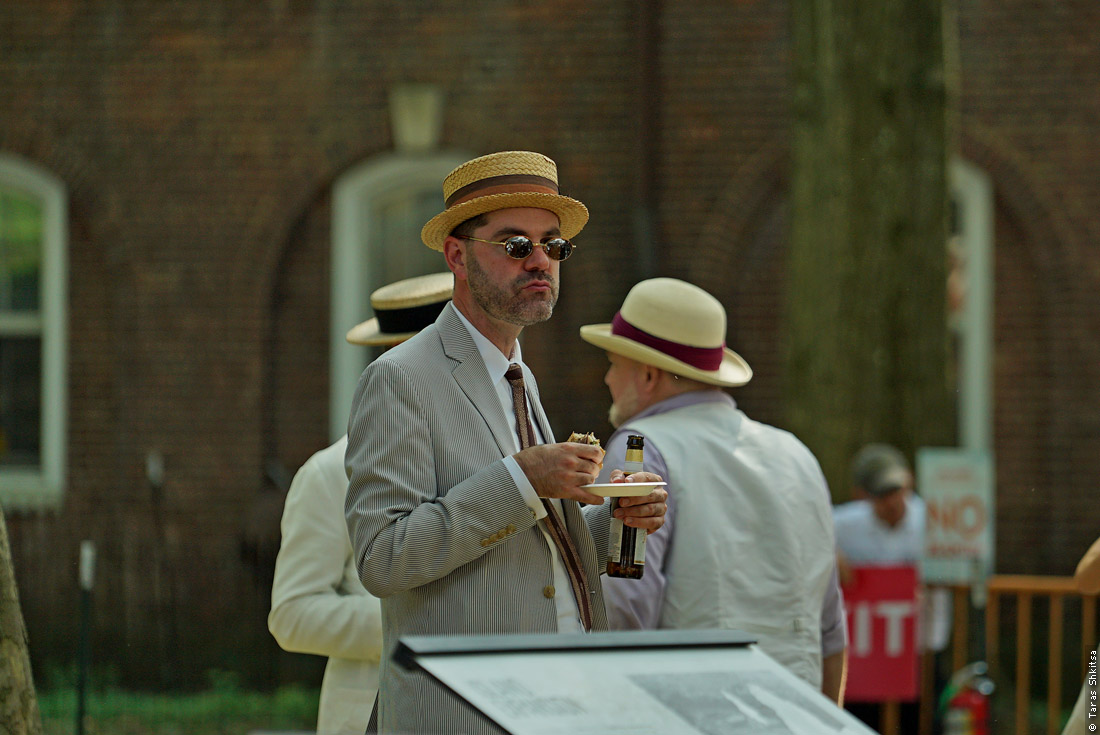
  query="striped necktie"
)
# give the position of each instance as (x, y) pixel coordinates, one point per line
(553, 522)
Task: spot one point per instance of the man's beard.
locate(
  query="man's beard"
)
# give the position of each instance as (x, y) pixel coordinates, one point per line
(511, 306)
(623, 409)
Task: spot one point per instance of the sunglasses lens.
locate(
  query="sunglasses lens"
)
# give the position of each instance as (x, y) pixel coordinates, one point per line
(518, 247)
(559, 249)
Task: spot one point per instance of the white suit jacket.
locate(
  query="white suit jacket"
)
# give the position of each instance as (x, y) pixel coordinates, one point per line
(318, 604)
(440, 530)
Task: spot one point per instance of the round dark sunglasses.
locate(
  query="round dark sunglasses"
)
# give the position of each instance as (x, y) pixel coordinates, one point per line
(520, 247)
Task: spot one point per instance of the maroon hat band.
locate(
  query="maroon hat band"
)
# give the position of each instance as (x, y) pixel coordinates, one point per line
(703, 358)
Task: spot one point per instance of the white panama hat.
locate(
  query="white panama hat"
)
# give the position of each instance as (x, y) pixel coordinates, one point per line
(676, 326)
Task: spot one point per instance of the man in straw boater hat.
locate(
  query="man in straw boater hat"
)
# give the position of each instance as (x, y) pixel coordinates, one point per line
(463, 511)
(749, 512)
(318, 605)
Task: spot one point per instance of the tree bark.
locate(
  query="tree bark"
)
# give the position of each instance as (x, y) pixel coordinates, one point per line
(18, 704)
(866, 358)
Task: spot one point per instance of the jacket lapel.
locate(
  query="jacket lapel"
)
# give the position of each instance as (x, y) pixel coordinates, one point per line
(473, 378)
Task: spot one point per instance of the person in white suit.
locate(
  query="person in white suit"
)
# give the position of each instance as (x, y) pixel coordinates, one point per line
(318, 605)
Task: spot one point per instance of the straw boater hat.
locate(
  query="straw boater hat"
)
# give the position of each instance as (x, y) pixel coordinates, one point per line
(502, 181)
(675, 326)
(402, 309)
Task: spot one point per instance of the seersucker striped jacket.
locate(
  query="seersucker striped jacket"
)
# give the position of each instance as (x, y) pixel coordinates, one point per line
(441, 532)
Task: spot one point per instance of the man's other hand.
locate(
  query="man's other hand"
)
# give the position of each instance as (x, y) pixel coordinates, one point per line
(641, 511)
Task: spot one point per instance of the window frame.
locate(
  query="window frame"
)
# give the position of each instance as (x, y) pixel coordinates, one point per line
(353, 194)
(972, 191)
(44, 487)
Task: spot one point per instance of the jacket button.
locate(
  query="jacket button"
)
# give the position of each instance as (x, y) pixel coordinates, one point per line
(548, 591)
(511, 529)
(485, 542)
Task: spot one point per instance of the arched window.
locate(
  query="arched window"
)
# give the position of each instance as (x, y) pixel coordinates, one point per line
(378, 210)
(33, 334)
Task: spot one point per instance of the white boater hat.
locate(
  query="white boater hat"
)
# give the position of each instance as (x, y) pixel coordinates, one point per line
(676, 326)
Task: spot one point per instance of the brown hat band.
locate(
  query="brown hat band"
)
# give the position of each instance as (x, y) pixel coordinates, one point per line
(510, 184)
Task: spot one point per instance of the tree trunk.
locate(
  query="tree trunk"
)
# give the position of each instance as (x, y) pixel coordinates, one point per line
(18, 705)
(867, 349)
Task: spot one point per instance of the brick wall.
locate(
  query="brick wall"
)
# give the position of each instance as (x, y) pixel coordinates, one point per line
(1029, 112)
(200, 141)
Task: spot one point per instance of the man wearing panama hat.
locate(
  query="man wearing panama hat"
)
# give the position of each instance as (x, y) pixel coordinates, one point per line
(749, 515)
(318, 605)
(463, 511)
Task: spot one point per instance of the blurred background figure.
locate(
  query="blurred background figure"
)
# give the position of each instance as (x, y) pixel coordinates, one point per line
(884, 525)
(318, 605)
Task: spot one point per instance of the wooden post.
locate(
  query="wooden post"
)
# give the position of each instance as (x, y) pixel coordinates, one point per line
(890, 718)
(1023, 661)
(960, 649)
(927, 692)
(992, 640)
(1088, 630)
(1054, 667)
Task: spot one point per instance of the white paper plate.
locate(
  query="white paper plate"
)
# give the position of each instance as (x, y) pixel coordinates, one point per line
(621, 489)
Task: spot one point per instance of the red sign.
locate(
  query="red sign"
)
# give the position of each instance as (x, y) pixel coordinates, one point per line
(881, 603)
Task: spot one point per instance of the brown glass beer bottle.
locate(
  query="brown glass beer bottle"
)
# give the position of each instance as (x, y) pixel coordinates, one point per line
(626, 545)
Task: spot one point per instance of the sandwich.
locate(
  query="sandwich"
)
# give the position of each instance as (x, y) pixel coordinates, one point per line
(588, 438)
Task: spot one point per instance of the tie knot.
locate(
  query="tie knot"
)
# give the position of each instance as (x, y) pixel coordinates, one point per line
(514, 373)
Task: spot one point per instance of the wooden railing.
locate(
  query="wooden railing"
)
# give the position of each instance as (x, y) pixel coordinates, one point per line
(1025, 589)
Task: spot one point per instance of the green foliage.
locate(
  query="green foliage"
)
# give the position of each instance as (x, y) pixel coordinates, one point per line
(59, 677)
(223, 708)
(20, 230)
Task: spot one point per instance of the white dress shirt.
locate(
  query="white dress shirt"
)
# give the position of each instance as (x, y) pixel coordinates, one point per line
(865, 540)
(569, 620)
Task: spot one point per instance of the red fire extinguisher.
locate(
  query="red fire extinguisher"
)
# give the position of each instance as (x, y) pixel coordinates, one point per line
(964, 704)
